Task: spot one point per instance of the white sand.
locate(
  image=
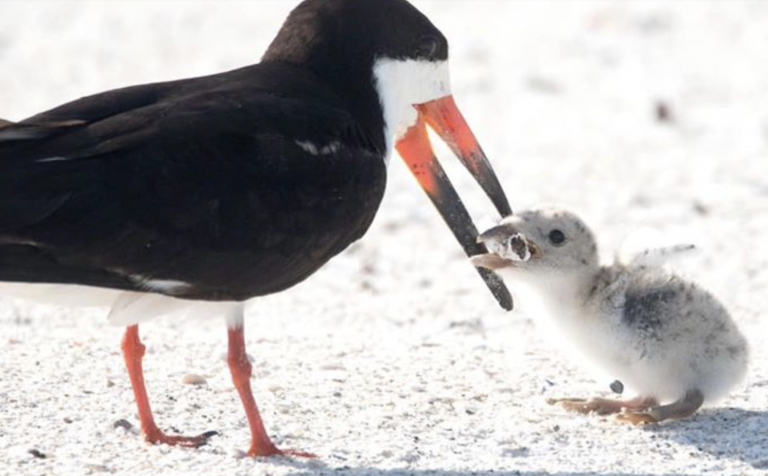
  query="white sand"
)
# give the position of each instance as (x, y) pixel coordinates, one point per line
(394, 359)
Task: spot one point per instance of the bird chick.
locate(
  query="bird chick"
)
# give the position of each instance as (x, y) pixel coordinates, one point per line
(665, 338)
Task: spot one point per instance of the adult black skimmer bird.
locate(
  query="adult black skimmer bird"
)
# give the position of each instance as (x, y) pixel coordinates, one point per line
(223, 188)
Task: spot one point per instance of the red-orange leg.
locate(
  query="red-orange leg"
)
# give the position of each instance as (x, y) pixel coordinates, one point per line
(133, 351)
(261, 444)
(603, 406)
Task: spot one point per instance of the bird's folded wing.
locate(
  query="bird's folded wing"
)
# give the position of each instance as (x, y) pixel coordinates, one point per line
(148, 170)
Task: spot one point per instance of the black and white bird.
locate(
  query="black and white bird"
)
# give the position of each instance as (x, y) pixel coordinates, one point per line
(204, 193)
(666, 339)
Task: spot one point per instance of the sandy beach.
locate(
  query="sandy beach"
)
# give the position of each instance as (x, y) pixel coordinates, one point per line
(394, 359)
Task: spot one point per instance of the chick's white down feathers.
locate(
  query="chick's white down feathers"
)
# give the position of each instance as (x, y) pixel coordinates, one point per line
(660, 335)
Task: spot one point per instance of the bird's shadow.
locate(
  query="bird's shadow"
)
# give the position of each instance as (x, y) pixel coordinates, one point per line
(320, 468)
(726, 433)
(366, 471)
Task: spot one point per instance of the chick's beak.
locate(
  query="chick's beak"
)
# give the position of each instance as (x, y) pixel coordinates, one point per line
(490, 261)
(415, 148)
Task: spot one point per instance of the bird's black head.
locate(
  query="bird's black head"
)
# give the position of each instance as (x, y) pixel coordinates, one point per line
(381, 57)
(320, 32)
(389, 65)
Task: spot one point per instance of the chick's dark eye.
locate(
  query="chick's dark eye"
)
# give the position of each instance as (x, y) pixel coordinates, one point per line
(556, 237)
(427, 47)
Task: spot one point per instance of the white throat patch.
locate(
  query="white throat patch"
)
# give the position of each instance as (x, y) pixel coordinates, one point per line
(401, 85)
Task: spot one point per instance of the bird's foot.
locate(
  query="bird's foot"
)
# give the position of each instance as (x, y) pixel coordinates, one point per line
(572, 404)
(157, 436)
(636, 418)
(272, 450)
(600, 406)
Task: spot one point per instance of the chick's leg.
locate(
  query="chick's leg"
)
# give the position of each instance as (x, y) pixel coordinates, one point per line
(603, 406)
(681, 408)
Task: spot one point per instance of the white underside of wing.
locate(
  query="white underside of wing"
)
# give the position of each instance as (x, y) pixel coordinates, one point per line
(60, 294)
(133, 308)
(126, 308)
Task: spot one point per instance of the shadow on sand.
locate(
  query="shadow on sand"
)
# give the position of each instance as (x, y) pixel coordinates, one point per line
(362, 471)
(318, 468)
(725, 433)
(728, 433)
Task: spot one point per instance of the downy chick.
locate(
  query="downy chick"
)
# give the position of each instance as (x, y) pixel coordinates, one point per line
(665, 338)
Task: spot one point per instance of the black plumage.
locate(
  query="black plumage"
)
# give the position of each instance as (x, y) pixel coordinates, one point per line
(199, 181)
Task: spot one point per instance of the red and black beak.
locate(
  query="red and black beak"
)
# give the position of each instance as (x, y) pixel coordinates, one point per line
(444, 118)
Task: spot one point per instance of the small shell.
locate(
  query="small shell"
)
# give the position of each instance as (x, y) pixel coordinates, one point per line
(122, 423)
(193, 379)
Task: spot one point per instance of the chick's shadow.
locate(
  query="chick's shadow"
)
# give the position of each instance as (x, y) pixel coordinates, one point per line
(728, 433)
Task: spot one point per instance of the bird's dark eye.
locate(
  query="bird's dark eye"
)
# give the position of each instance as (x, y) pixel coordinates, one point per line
(427, 47)
(556, 237)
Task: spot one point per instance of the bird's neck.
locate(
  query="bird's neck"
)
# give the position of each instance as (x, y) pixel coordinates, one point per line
(402, 83)
(555, 293)
(346, 69)
(356, 91)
